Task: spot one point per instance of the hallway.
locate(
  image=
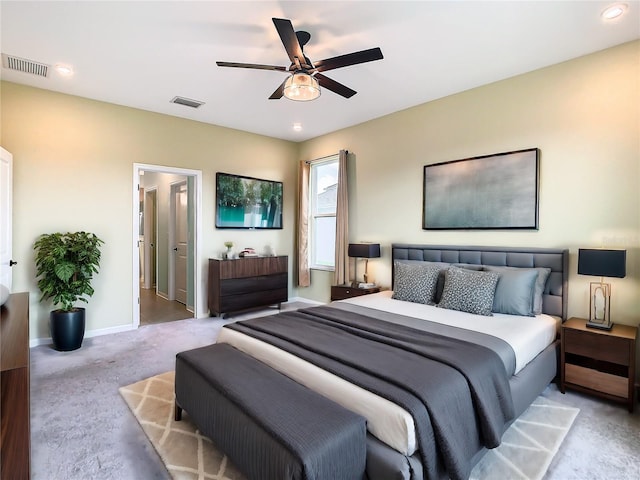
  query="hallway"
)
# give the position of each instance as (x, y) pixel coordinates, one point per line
(155, 309)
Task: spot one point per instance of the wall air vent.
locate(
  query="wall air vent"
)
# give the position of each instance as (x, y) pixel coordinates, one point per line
(187, 102)
(24, 65)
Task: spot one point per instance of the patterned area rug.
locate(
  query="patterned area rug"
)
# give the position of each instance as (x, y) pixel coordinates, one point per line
(527, 448)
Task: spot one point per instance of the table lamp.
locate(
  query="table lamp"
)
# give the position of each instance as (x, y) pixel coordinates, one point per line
(601, 263)
(366, 251)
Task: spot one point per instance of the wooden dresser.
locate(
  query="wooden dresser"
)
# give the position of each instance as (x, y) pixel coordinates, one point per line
(14, 384)
(245, 283)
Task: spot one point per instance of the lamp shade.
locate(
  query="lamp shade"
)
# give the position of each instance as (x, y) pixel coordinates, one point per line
(364, 250)
(602, 263)
(301, 87)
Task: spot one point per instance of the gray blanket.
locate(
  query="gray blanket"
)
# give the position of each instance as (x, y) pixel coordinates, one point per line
(457, 392)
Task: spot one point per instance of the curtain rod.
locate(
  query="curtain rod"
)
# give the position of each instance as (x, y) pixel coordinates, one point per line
(322, 158)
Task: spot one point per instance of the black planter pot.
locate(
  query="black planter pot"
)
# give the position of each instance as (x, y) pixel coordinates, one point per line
(67, 329)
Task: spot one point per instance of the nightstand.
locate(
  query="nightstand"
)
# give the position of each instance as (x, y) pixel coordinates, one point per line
(340, 292)
(599, 362)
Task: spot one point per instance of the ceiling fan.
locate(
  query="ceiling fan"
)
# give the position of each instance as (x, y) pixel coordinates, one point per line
(305, 79)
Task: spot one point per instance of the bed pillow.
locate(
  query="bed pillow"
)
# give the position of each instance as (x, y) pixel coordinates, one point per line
(415, 281)
(515, 292)
(469, 290)
(540, 283)
(468, 266)
(440, 286)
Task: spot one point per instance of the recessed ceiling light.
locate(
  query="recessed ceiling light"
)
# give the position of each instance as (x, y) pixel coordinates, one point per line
(64, 70)
(297, 127)
(614, 11)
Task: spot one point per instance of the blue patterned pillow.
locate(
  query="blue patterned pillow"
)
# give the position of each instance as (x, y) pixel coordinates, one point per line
(469, 291)
(415, 281)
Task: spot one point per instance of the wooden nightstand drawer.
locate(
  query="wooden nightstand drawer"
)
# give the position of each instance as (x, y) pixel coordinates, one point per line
(341, 292)
(595, 380)
(597, 346)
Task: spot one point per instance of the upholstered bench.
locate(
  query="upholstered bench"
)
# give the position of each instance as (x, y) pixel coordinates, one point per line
(270, 426)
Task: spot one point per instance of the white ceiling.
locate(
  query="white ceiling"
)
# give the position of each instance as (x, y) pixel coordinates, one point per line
(142, 54)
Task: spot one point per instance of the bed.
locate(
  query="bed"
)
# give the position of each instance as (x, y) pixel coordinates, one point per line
(508, 353)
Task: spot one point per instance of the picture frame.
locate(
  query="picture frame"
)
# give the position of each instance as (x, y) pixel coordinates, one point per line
(248, 203)
(489, 192)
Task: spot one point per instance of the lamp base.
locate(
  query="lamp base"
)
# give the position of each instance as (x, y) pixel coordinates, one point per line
(600, 326)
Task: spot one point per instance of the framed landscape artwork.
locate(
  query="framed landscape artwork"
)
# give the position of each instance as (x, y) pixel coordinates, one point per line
(498, 191)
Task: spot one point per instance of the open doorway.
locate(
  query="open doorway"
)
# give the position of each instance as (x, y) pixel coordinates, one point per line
(167, 244)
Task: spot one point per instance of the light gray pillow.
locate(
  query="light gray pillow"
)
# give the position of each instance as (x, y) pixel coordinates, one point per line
(514, 292)
(468, 266)
(415, 281)
(469, 291)
(540, 283)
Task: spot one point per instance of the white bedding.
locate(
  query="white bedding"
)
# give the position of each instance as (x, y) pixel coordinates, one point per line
(528, 336)
(390, 423)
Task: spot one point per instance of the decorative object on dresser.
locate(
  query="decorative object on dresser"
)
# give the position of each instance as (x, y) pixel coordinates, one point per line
(228, 255)
(14, 379)
(496, 191)
(340, 292)
(599, 362)
(601, 263)
(248, 252)
(366, 251)
(246, 283)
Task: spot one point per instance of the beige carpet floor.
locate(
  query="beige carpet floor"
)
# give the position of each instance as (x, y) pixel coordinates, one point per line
(527, 448)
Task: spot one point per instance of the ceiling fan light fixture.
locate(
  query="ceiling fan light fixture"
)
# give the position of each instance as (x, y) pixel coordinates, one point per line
(301, 87)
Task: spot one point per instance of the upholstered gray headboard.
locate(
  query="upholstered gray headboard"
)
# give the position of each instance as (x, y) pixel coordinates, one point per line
(555, 295)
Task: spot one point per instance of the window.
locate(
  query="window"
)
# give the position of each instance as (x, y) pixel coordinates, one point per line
(323, 176)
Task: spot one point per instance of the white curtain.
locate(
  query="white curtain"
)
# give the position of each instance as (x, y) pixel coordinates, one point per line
(304, 275)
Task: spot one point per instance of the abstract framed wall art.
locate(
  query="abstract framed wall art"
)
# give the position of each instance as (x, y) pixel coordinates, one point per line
(499, 191)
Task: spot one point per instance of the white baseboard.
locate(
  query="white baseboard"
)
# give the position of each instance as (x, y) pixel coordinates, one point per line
(88, 334)
(124, 328)
(305, 300)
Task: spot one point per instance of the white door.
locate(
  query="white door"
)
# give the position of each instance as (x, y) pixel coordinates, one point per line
(6, 172)
(181, 238)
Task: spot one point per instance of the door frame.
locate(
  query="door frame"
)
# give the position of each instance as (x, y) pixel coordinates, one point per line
(199, 295)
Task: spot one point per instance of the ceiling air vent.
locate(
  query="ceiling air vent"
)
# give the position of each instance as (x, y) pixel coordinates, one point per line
(187, 102)
(24, 65)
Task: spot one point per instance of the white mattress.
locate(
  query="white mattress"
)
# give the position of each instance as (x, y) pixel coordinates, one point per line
(390, 423)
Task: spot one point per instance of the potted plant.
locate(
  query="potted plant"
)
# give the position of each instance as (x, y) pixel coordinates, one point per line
(65, 264)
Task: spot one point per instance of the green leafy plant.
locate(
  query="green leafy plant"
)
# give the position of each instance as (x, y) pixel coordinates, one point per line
(65, 264)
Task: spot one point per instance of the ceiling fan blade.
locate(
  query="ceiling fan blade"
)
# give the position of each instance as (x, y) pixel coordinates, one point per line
(289, 39)
(355, 58)
(252, 65)
(279, 92)
(336, 87)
